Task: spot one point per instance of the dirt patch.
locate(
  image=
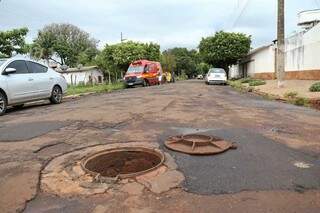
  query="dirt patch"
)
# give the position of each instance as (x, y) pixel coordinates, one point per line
(299, 86)
(19, 183)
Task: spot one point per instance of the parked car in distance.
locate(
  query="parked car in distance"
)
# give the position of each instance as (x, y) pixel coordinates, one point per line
(143, 72)
(216, 76)
(200, 77)
(23, 80)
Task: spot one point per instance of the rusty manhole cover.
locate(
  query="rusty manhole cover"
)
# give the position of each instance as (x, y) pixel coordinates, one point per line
(196, 144)
(123, 162)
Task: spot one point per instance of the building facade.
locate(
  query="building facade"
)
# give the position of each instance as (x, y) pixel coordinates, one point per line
(83, 75)
(302, 52)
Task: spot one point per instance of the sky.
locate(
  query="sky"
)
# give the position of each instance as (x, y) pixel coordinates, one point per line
(171, 23)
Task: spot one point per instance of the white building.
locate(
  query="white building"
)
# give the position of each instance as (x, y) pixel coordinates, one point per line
(83, 75)
(302, 52)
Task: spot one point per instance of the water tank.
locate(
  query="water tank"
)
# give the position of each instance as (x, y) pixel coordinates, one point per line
(309, 18)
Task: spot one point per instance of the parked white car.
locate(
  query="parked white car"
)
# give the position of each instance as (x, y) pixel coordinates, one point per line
(23, 80)
(216, 76)
(200, 77)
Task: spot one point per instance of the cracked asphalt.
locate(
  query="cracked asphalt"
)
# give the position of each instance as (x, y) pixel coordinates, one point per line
(276, 167)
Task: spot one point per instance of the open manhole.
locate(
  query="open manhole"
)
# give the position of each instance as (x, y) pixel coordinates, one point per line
(123, 162)
(196, 144)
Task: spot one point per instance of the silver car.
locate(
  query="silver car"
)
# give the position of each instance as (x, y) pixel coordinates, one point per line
(23, 80)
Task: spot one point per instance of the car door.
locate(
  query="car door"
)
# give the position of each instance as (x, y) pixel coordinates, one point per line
(21, 83)
(42, 80)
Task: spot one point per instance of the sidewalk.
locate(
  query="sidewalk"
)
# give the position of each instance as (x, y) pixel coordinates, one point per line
(299, 86)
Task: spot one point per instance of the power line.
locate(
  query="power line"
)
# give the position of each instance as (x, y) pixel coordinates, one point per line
(245, 5)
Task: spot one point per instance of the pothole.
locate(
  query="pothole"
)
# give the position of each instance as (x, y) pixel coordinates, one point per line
(196, 144)
(111, 168)
(123, 162)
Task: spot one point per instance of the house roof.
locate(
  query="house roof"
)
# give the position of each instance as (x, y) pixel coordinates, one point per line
(254, 51)
(81, 69)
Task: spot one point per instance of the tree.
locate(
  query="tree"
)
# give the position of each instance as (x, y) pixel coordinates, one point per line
(224, 49)
(202, 68)
(115, 59)
(69, 43)
(184, 60)
(13, 41)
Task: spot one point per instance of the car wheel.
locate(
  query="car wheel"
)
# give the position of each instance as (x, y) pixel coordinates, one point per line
(56, 95)
(3, 103)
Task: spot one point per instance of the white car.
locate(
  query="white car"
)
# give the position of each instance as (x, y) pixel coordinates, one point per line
(23, 80)
(216, 76)
(200, 77)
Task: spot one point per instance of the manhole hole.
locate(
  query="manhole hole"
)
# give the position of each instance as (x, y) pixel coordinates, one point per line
(198, 144)
(123, 162)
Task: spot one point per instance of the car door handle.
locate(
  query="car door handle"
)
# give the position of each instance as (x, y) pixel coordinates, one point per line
(30, 79)
(51, 78)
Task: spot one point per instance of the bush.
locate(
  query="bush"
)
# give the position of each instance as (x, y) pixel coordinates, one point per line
(315, 87)
(246, 80)
(254, 83)
(301, 101)
(291, 95)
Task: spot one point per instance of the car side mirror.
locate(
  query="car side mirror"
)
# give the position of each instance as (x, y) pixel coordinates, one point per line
(9, 70)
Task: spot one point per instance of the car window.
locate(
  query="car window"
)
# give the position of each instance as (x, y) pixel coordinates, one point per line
(36, 68)
(20, 66)
(217, 71)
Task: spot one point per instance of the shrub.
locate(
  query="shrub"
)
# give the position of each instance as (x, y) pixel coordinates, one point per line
(301, 101)
(254, 83)
(291, 95)
(315, 87)
(246, 80)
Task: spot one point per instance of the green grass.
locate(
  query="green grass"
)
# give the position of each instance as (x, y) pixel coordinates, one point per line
(99, 88)
(315, 87)
(254, 83)
(291, 95)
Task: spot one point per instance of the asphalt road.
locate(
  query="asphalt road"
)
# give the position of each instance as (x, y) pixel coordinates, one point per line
(276, 167)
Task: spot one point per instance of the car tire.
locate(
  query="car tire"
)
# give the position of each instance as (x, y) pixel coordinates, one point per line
(56, 95)
(3, 103)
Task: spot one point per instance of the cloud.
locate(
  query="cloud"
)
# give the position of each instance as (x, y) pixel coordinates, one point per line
(168, 22)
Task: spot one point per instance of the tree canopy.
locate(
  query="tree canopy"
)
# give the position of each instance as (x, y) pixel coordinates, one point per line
(13, 41)
(69, 43)
(115, 59)
(183, 61)
(224, 49)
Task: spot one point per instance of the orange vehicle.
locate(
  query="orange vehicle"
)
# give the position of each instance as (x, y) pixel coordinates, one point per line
(143, 72)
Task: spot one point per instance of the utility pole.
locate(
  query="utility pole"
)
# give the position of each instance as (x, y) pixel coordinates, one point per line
(122, 39)
(281, 43)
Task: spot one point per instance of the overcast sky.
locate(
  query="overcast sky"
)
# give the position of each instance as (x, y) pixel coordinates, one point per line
(168, 22)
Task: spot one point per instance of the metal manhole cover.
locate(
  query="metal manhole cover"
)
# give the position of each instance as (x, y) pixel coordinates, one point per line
(196, 144)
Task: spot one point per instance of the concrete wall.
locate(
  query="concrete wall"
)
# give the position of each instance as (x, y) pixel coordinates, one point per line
(262, 61)
(301, 60)
(303, 50)
(84, 77)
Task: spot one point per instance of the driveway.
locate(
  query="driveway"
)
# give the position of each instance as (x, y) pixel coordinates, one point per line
(276, 167)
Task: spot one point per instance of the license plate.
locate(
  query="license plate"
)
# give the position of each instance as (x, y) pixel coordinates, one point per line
(130, 84)
(217, 76)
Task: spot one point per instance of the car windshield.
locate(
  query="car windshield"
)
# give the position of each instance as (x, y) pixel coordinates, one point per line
(2, 61)
(217, 71)
(133, 69)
